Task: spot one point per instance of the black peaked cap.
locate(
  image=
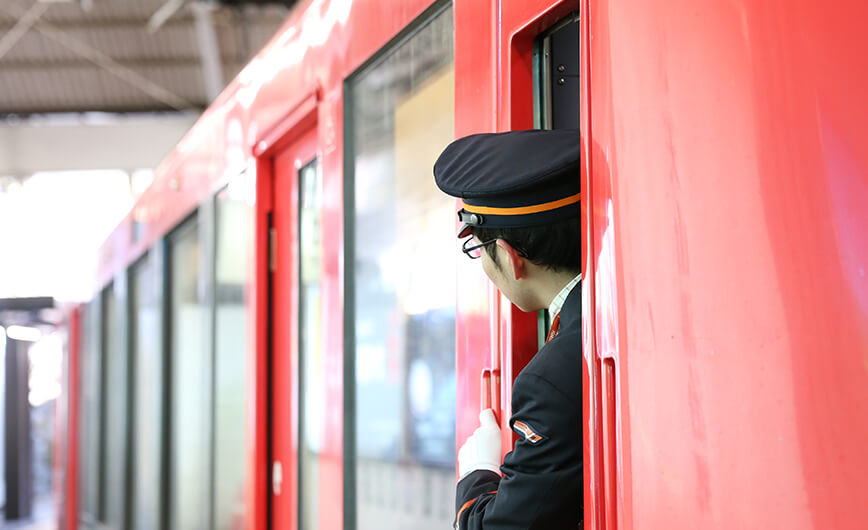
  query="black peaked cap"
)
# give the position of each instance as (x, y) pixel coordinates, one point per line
(512, 179)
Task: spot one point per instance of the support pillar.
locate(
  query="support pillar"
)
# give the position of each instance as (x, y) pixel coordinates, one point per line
(18, 458)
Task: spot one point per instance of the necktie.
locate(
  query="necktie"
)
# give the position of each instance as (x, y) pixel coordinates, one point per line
(554, 329)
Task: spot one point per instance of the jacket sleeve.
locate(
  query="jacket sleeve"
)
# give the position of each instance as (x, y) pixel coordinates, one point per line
(542, 475)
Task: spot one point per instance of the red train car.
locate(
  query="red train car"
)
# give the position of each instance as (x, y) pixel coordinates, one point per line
(285, 335)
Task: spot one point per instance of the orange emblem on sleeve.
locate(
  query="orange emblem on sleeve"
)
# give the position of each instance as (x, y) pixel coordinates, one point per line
(529, 434)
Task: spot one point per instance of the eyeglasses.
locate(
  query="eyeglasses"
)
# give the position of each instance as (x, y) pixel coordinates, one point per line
(474, 251)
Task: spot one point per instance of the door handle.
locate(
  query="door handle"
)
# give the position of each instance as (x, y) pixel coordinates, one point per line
(489, 391)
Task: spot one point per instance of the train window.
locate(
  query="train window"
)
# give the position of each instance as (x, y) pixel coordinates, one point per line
(89, 436)
(115, 400)
(106, 306)
(189, 391)
(148, 391)
(402, 277)
(310, 325)
(311, 368)
(233, 246)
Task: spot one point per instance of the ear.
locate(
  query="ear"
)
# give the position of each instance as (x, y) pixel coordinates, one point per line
(516, 261)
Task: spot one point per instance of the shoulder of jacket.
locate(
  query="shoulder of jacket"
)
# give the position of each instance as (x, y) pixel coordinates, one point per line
(558, 363)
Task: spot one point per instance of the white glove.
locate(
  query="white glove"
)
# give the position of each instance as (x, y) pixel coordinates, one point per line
(482, 448)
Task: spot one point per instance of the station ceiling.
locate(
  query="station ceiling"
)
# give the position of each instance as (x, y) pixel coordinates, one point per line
(60, 56)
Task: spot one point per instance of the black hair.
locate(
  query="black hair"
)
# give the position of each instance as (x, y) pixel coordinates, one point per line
(555, 246)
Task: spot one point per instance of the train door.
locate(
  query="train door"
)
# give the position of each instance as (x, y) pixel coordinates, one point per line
(294, 264)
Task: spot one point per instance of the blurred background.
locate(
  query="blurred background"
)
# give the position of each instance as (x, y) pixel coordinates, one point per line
(93, 95)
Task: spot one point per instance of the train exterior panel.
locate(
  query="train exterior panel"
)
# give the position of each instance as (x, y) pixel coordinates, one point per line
(286, 336)
(726, 165)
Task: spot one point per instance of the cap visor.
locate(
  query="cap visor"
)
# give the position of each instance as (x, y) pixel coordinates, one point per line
(465, 231)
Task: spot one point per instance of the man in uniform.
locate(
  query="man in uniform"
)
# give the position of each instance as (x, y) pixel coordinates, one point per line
(520, 193)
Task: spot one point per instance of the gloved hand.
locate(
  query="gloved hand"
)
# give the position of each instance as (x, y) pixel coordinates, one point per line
(482, 448)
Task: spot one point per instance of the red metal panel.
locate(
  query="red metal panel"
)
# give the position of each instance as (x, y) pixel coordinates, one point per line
(729, 199)
(590, 376)
(475, 111)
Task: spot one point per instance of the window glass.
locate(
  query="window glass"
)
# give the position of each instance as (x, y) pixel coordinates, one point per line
(90, 412)
(404, 269)
(190, 373)
(311, 365)
(115, 401)
(148, 390)
(233, 248)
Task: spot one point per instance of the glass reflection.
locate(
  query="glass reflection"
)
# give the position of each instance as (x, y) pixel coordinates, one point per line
(311, 359)
(148, 390)
(189, 393)
(90, 411)
(115, 396)
(405, 285)
(233, 249)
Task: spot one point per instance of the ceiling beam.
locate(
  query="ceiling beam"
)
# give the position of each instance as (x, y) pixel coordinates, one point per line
(136, 62)
(136, 23)
(15, 114)
(209, 50)
(223, 17)
(24, 23)
(164, 13)
(104, 61)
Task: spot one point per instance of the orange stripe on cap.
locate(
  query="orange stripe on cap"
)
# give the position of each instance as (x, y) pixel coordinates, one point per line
(522, 210)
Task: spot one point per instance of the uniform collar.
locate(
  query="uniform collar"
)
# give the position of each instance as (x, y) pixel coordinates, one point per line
(558, 302)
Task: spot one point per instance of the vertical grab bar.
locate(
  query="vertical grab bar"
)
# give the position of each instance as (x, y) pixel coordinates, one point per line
(609, 448)
(489, 391)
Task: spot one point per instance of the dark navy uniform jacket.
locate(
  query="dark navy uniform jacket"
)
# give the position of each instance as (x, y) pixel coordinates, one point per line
(541, 485)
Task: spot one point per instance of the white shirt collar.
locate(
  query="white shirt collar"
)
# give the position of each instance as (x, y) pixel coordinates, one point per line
(558, 302)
